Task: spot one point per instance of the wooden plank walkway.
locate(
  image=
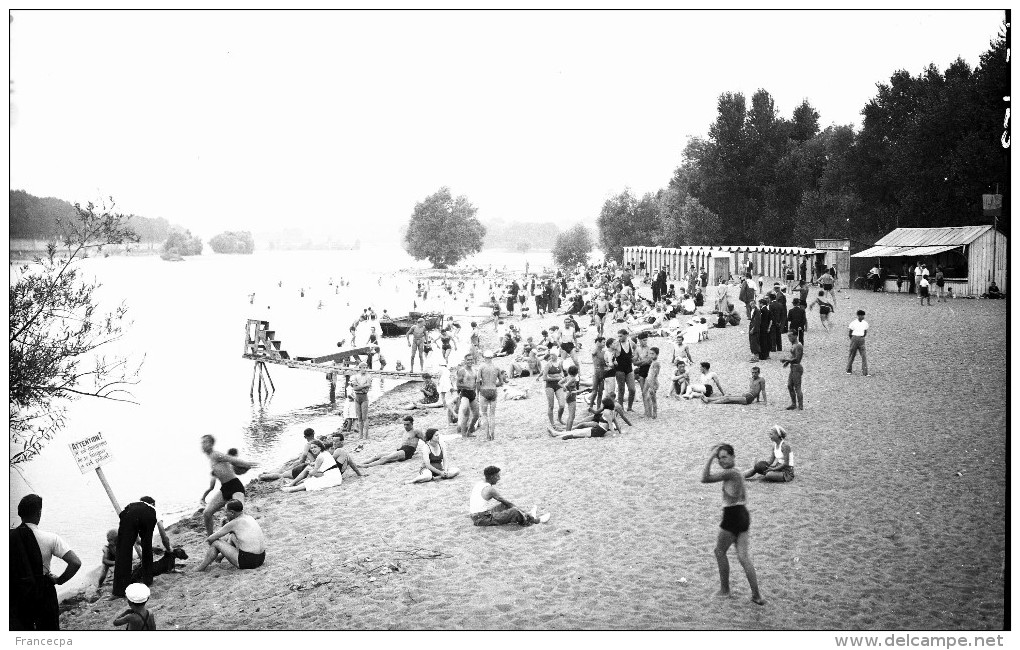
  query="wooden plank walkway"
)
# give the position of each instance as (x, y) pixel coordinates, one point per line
(331, 368)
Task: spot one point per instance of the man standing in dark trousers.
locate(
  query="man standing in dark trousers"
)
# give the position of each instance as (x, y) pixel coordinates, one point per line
(754, 330)
(777, 310)
(660, 285)
(137, 520)
(33, 593)
(747, 295)
(764, 331)
(796, 320)
(803, 270)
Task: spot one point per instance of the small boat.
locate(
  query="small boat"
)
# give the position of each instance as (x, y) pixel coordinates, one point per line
(400, 326)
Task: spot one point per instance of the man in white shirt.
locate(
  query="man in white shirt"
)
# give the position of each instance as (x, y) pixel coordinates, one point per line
(33, 603)
(858, 329)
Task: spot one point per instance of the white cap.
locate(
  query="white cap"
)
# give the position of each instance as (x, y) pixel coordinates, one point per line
(137, 593)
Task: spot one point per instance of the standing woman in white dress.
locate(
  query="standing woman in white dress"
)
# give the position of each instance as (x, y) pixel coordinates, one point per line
(322, 473)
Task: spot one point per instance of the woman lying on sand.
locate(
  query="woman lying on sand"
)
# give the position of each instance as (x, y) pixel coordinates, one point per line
(317, 476)
(779, 467)
(435, 464)
(604, 422)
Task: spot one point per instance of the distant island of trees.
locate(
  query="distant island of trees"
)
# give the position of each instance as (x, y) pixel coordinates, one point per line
(519, 236)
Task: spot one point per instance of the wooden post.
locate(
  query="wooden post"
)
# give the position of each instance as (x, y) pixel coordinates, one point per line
(271, 385)
(109, 491)
(251, 391)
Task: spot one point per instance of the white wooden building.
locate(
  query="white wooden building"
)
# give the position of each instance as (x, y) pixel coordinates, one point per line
(971, 256)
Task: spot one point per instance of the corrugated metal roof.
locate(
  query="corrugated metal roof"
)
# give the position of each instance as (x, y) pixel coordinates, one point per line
(904, 251)
(932, 236)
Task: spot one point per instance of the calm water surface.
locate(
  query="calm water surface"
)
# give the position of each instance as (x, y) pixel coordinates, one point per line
(189, 322)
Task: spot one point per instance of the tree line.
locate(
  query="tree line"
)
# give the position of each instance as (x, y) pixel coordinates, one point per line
(32, 217)
(929, 147)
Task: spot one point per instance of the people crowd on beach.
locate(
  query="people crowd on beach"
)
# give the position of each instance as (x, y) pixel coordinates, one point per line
(639, 339)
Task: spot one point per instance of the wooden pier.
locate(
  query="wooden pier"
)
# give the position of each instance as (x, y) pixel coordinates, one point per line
(262, 347)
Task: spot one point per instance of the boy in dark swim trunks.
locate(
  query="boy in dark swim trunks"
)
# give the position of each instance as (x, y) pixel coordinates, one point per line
(246, 548)
(407, 447)
(736, 520)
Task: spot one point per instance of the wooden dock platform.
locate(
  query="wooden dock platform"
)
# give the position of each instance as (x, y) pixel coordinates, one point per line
(262, 346)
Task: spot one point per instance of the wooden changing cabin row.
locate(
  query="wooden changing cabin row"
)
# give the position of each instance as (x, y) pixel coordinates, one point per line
(719, 261)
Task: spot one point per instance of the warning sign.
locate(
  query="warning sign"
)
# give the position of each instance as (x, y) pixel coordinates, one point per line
(91, 453)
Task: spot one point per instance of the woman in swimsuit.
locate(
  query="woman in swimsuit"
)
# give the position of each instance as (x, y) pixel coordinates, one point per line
(435, 464)
(736, 520)
(625, 369)
(779, 467)
(552, 372)
(223, 470)
(320, 474)
(361, 383)
(569, 385)
(595, 429)
(446, 341)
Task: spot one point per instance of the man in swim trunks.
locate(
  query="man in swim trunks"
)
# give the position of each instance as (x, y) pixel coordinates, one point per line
(467, 389)
(796, 372)
(416, 341)
(231, 487)
(246, 548)
(407, 447)
(736, 520)
(489, 380)
(755, 391)
(828, 282)
(476, 339)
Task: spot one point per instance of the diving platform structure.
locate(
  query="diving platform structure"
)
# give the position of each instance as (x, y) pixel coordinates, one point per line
(262, 347)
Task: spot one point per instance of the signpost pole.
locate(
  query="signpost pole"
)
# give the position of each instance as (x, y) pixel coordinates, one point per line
(109, 490)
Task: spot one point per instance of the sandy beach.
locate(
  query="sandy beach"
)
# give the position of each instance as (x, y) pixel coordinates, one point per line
(896, 519)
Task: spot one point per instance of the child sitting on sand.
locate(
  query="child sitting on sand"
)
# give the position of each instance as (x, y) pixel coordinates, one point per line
(136, 616)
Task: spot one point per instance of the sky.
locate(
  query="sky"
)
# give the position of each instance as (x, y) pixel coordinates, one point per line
(339, 122)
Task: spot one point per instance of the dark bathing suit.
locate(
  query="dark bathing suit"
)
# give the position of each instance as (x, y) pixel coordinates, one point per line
(246, 560)
(736, 519)
(489, 394)
(408, 451)
(436, 461)
(469, 393)
(231, 487)
(567, 347)
(553, 376)
(624, 361)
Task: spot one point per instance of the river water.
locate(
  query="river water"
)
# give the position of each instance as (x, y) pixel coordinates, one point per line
(188, 321)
